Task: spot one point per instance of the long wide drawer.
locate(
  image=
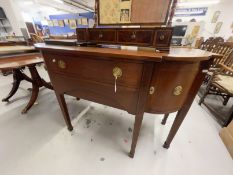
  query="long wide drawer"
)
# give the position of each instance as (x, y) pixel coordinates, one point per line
(97, 70)
(124, 98)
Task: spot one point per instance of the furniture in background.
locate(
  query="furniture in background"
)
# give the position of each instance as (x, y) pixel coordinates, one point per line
(5, 26)
(136, 81)
(17, 57)
(36, 38)
(221, 83)
(186, 33)
(30, 27)
(219, 79)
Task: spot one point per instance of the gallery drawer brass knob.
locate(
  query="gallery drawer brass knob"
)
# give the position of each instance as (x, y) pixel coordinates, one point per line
(178, 90)
(54, 60)
(61, 64)
(152, 90)
(117, 72)
(100, 35)
(162, 37)
(133, 36)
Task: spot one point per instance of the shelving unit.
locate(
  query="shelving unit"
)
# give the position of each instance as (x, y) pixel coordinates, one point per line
(5, 26)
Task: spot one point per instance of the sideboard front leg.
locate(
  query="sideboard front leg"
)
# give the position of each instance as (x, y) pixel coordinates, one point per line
(175, 126)
(188, 102)
(136, 130)
(63, 106)
(142, 100)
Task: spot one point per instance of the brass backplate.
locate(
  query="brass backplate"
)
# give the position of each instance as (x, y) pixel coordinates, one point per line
(178, 90)
(117, 72)
(61, 64)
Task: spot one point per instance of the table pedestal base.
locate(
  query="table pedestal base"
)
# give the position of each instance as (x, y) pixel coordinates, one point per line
(36, 81)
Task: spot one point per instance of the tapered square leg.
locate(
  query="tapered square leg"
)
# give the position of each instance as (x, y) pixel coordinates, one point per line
(136, 130)
(63, 106)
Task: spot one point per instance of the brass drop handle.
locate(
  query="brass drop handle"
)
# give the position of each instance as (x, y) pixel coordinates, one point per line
(117, 73)
(61, 64)
(162, 37)
(177, 90)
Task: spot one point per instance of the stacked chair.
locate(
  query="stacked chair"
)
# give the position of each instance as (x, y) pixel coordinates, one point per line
(219, 79)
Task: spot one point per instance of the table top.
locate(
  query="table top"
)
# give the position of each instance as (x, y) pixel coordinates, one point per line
(12, 43)
(9, 50)
(21, 60)
(65, 42)
(175, 54)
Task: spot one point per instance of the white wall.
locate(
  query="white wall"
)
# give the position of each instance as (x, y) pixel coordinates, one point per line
(14, 16)
(226, 8)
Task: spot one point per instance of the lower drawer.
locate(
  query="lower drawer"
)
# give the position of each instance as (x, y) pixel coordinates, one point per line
(124, 98)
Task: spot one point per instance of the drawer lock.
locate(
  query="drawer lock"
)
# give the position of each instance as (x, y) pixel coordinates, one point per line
(152, 90)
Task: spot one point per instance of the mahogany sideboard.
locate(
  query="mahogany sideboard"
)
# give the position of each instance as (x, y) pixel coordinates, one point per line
(136, 81)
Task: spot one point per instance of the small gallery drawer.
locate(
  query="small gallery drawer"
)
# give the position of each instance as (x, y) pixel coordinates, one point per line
(102, 36)
(96, 70)
(81, 35)
(140, 37)
(163, 37)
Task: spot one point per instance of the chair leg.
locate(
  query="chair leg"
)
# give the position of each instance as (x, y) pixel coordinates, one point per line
(164, 119)
(206, 91)
(226, 99)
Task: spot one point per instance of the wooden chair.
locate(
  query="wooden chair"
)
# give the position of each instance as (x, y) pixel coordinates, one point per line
(221, 81)
(36, 38)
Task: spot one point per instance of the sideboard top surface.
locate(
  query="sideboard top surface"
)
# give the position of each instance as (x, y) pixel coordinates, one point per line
(175, 54)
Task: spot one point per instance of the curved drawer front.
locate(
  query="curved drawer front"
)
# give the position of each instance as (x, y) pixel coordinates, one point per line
(97, 70)
(170, 85)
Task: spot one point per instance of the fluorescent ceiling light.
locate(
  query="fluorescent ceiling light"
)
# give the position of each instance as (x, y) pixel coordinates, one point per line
(59, 1)
(198, 3)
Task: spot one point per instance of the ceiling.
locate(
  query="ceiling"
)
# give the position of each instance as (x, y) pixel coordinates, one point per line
(56, 6)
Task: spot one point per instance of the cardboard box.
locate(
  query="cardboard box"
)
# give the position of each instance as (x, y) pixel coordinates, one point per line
(227, 139)
(230, 128)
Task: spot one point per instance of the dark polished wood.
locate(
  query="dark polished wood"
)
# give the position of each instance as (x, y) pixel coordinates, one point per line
(154, 82)
(63, 42)
(156, 37)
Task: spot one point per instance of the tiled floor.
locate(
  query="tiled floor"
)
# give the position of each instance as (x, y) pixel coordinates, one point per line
(38, 143)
